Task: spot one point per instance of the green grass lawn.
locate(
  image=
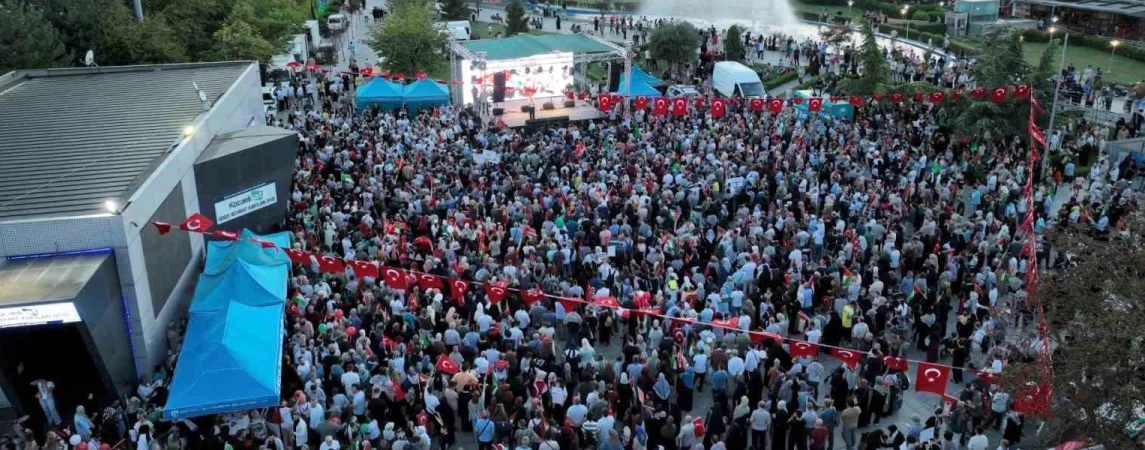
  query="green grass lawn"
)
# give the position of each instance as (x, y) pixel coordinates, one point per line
(1124, 70)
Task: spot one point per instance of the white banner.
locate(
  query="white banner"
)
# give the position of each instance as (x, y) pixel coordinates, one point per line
(28, 315)
(245, 202)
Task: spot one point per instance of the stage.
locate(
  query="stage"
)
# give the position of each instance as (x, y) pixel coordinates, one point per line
(514, 118)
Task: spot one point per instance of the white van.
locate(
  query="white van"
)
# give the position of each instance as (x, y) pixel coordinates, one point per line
(732, 79)
(458, 30)
(336, 22)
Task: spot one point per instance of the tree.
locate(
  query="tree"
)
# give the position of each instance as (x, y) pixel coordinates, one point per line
(455, 10)
(1094, 303)
(675, 43)
(876, 73)
(28, 40)
(733, 44)
(408, 39)
(515, 21)
(240, 40)
(999, 65)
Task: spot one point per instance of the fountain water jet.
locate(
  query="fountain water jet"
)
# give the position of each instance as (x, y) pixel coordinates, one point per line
(753, 14)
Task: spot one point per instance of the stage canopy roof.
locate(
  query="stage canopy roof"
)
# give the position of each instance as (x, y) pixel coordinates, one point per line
(232, 353)
(640, 75)
(423, 93)
(525, 45)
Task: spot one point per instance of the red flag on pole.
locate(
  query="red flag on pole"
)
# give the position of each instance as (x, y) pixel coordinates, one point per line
(447, 366)
(804, 349)
(496, 291)
(457, 288)
(197, 223)
(660, 106)
(719, 107)
(162, 227)
(848, 357)
(532, 296)
(999, 94)
(679, 107)
(394, 278)
(330, 264)
(364, 269)
(931, 378)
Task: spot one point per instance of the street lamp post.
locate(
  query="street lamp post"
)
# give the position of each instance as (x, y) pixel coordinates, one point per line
(850, 3)
(1054, 104)
(1112, 49)
(906, 9)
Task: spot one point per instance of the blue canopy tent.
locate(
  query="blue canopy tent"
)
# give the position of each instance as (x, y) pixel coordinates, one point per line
(425, 94)
(379, 92)
(232, 352)
(638, 88)
(640, 75)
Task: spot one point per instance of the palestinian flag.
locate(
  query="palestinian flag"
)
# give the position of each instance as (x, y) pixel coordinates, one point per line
(847, 278)
(910, 295)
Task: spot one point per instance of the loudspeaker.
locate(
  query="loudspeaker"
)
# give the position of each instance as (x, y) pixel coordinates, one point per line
(498, 111)
(498, 87)
(615, 69)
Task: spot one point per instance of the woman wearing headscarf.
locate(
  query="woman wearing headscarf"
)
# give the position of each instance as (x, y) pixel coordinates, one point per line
(779, 418)
(742, 410)
(662, 389)
(685, 390)
(587, 353)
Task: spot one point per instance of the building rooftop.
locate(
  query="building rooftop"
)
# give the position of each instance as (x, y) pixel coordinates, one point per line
(526, 45)
(1135, 8)
(71, 139)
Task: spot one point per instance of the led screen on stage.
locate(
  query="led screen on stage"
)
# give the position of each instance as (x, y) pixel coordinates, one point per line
(541, 76)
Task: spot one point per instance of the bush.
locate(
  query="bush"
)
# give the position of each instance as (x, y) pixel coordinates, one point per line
(780, 80)
(920, 16)
(890, 9)
(1133, 52)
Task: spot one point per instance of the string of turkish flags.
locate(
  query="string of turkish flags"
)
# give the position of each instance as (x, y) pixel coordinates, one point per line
(932, 377)
(718, 106)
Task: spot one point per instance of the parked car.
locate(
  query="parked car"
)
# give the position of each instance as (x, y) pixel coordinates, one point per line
(682, 90)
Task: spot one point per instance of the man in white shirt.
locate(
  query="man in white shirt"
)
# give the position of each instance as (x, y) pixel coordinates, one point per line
(979, 441)
(700, 365)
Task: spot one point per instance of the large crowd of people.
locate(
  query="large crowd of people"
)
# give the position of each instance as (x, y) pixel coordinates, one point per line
(889, 234)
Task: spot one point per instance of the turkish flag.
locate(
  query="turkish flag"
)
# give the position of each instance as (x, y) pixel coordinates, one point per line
(162, 227)
(616, 99)
(497, 291)
(660, 106)
(263, 244)
(421, 75)
(607, 302)
(366, 72)
(896, 98)
(719, 107)
(856, 100)
(931, 378)
(700, 103)
(330, 264)
(896, 363)
(1033, 398)
(957, 93)
(919, 97)
(427, 281)
(774, 105)
(1022, 91)
(641, 102)
(570, 304)
(937, 97)
(447, 366)
(804, 349)
(815, 104)
(679, 107)
(227, 235)
(877, 97)
(988, 377)
(836, 98)
(605, 102)
(732, 323)
(395, 278)
(1000, 94)
(457, 289)
(761, 336)
(570, 95)
(363, 269)
(298, 256)
(532, 296)
(797, 101)
(756, 104)
(698, 424)
(978, 93)
(197, 223)
(848, 357)
(581, 95)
